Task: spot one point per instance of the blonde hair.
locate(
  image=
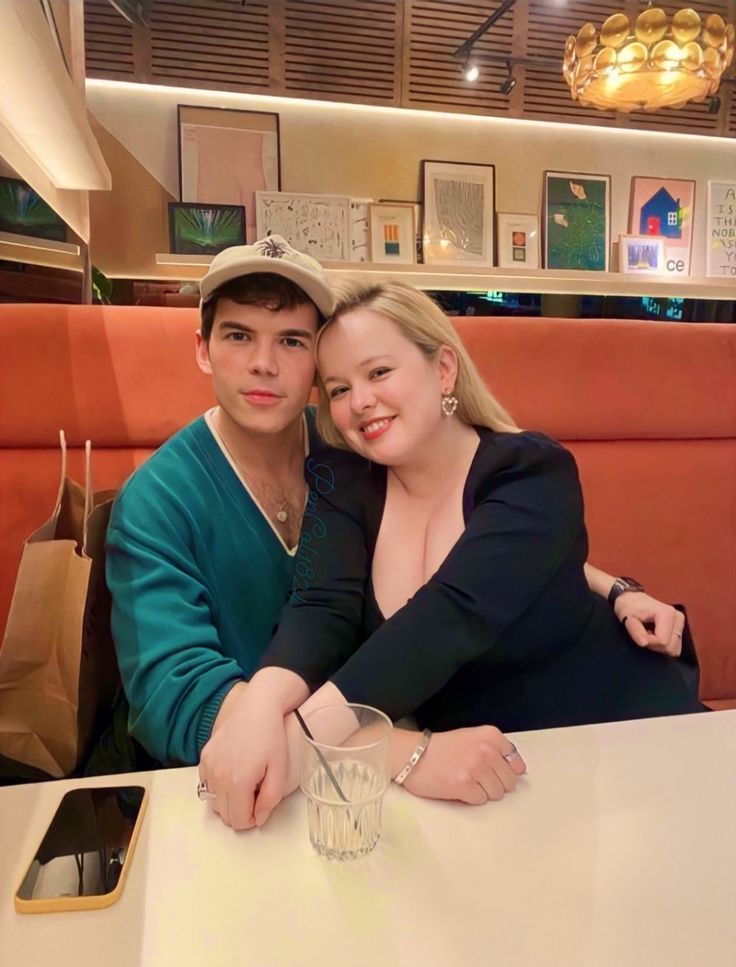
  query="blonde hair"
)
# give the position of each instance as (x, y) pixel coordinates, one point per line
(423, 323)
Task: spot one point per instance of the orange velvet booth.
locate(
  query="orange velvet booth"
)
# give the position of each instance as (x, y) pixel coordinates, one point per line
(649, 409)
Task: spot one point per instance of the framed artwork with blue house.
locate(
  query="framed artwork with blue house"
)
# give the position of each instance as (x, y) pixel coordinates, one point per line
(664, 207)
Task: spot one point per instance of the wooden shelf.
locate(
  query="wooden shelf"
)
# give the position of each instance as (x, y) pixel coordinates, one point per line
(544, 281)
(40, 251)
(541, 280)
(173, 258)
(42, 244)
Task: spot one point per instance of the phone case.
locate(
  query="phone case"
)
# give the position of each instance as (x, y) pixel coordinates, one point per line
(65, 903)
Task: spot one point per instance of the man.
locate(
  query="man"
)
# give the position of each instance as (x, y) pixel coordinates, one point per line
(202, 537)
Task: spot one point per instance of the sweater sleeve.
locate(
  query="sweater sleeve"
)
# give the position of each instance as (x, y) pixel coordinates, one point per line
(173, 669)
(527, 517)
(320, 627)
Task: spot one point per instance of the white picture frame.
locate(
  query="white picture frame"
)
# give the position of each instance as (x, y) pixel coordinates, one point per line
(393, 231)
(641, 255)
(316, 224)
(517, 240)
(459, 208)
(360, 229)
(720, 231)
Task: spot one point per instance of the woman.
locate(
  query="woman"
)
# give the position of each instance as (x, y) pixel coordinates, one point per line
(442, 576)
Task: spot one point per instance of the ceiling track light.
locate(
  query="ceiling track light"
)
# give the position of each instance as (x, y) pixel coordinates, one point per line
(509, 82)
(465, 50)
(471, 71)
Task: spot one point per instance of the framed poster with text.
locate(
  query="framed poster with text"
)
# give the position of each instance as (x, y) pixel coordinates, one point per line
(720, 230)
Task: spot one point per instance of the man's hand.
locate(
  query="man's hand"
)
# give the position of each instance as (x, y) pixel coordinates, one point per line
(651, 623)
(245, 761)
(472, 765)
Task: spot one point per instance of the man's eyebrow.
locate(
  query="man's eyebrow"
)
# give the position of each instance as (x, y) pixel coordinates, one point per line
(241, 327)
(301, 333)
(237, 326)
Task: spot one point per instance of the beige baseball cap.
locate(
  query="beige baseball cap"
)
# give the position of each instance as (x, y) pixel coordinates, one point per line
(277, 257)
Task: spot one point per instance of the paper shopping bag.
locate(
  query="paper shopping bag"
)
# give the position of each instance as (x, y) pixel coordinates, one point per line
(58, 672)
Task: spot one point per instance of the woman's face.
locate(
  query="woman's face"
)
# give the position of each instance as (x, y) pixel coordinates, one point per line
(385, 395)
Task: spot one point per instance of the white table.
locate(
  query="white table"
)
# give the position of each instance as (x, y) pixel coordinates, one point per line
(618, 850)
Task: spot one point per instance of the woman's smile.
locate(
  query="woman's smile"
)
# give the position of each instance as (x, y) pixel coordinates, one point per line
(376, 427)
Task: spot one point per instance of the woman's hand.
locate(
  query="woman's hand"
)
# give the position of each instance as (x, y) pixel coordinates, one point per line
(472, 765)
(651, 623)
(245, 763)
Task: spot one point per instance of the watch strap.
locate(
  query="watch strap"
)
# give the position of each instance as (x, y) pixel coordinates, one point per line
(621, 585)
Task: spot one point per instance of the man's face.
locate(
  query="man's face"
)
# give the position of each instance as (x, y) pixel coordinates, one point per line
(261, 362)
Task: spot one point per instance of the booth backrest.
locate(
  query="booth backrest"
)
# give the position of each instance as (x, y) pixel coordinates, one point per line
(649, 410)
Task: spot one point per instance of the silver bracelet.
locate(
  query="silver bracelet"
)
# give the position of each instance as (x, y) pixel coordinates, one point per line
(414, 757)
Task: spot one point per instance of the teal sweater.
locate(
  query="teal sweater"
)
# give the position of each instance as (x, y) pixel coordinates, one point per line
(198, 578)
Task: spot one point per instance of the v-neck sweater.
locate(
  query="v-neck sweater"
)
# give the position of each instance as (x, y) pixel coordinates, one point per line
(198, 576)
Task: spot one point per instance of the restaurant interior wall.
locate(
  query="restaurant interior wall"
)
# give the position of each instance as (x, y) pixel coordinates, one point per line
(367, 152)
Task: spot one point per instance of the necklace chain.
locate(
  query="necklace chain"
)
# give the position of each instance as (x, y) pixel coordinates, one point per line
(279, 506)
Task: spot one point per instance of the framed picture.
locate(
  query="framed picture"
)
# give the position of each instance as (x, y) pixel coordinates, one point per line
(720, 230)
(518, 241)
(392, 233)
(225, 156)
(577, 221)
(664, 206)
(459, 207)
(24, 212)
(641, 254)
(417, 208)
(205, 229)
(360, 229)
(316, 224)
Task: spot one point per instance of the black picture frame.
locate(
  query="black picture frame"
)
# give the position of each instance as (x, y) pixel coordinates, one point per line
(239, 191)
(192, 224)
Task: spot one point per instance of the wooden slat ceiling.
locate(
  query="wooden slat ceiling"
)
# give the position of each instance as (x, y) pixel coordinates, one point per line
(342, 50)
(108, 41)
(220, 43)
(393, 52)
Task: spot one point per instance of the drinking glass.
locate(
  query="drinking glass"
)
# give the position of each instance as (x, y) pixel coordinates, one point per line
(344, 775)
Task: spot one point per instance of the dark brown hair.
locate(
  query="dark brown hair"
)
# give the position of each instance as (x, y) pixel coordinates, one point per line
(265, 289)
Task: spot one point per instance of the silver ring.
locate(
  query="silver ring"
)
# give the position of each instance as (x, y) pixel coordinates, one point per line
(202, 790)
(510, 756)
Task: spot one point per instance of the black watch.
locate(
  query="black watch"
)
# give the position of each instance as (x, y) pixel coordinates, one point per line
(623, 584)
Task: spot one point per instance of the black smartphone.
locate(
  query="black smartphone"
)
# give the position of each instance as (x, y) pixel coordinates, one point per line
(84, 856)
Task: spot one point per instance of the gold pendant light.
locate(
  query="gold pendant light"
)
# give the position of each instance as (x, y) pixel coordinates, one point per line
(660, 62)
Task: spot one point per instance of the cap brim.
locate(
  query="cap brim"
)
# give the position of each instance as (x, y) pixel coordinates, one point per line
(317, 290)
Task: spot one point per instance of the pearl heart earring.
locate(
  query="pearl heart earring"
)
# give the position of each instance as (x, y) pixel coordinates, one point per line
(449, 404)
